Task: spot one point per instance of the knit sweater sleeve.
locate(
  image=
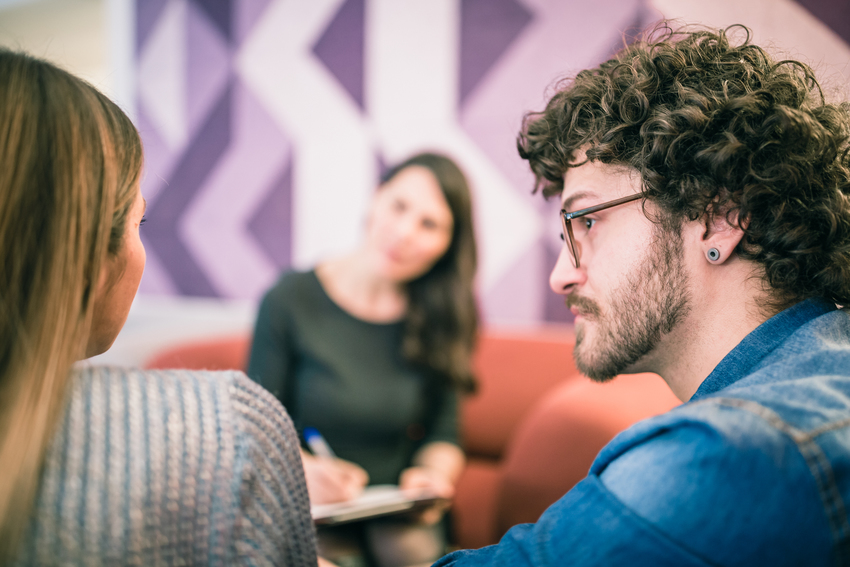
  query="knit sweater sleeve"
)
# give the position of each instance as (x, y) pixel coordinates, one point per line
(170, 467)
(274, 526)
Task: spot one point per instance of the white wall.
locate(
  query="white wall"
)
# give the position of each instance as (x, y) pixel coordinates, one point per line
(90, 38)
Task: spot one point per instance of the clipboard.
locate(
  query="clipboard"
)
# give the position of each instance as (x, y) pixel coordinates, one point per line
(375, 501)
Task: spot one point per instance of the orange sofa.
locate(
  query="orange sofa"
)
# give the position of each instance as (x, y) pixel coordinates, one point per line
(530, 432)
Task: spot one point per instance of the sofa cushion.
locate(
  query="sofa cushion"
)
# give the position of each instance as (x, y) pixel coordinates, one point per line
(514, 369)
(474, 508)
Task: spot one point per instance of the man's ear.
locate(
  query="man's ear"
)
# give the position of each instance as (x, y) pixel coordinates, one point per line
(722, 234)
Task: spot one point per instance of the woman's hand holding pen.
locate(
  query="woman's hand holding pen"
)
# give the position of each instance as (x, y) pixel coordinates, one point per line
(332, 480)
(329, 479)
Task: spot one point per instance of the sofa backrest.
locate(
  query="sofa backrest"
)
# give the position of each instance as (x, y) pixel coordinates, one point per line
(223, 353)
(515, 368)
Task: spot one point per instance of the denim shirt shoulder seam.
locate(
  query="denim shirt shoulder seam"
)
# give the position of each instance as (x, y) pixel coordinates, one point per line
(816, 460)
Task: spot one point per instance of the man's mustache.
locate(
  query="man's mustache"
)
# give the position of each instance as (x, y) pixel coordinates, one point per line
(586, 307)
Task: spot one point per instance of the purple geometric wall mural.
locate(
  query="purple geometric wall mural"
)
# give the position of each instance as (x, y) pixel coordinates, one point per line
(488, 27)
(192, 135)
(341, 47)
(220, 13)
(834, 13)
(193, 169)
(269, 225)
(267, 124)
(146, 18)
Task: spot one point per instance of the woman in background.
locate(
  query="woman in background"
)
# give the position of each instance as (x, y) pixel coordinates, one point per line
(372, 349)
(100, 465)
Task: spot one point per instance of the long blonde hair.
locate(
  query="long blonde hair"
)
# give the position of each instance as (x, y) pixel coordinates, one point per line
(70, 162)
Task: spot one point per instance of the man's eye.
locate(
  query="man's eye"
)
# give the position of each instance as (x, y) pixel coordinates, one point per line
(588, 223)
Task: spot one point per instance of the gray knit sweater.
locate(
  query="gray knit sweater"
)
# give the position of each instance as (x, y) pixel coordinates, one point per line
(171, 468)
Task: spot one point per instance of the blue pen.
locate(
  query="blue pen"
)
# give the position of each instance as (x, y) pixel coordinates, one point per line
(317, 443)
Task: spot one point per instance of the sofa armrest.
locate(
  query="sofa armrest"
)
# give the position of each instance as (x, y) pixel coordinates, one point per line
(555, 445)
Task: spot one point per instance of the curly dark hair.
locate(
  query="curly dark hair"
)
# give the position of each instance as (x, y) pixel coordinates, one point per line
(716, 127)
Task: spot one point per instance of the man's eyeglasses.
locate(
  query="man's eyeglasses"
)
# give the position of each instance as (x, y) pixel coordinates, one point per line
(573, 236)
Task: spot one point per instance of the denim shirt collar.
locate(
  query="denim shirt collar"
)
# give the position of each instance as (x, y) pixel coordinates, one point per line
(759, 343)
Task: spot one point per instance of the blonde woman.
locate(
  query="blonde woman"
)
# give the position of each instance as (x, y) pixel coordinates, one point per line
(102, 465)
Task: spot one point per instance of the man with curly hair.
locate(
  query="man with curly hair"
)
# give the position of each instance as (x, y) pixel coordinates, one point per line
(706, 218)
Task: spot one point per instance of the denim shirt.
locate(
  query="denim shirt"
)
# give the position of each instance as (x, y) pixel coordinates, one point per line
(753, 470)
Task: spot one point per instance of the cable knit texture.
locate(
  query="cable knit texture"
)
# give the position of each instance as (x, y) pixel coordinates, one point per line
(171, 468)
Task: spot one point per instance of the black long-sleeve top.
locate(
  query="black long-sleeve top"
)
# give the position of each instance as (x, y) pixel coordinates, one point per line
(347, 378)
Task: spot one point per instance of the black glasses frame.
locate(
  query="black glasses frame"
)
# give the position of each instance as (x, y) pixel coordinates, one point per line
(567, 218)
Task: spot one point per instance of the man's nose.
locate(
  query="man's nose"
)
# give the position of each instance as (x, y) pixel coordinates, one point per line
(565, 276)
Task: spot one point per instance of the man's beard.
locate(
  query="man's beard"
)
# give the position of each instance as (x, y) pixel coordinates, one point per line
(644, 308)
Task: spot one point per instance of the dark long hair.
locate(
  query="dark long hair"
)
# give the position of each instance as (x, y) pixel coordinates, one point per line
(717, 127)
(442, 316)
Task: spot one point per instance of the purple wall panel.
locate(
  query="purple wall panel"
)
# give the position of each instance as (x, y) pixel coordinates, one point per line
(341, 48)
(488, 27)
(162, 233)
(147, 15)
(222, 122)
(207, 66)
(159, 158)
(220, 12)
(834, 13)
(247, 14)
(222, 144)
(268, 227)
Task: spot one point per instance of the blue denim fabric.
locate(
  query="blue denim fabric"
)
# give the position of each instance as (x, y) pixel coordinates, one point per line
(753, 470)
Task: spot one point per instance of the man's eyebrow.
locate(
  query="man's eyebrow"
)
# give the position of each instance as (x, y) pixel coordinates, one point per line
(573, 198)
